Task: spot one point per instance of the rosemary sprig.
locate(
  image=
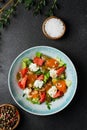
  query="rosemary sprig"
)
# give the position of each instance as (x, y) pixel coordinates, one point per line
(5, 16)
(28, 3)
(39, 6)
(54, 5)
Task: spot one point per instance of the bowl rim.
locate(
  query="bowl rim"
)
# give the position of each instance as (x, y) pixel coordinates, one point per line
(7, 104)
(43, 114)
(46, 34)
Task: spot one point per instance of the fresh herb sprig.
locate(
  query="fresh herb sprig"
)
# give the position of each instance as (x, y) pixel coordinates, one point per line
(53, 6)
(5, 16)
(28, 3)
(48, 105)
(37, 7)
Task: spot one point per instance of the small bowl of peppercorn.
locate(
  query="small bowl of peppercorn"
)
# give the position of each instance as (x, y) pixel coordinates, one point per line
(9, 117)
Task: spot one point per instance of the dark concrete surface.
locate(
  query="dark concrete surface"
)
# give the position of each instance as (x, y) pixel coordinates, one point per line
(25, 32)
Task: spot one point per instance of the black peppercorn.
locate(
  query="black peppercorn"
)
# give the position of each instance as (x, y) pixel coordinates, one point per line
(9, 117)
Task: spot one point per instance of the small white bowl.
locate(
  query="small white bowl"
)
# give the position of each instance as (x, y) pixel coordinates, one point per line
(48, 35)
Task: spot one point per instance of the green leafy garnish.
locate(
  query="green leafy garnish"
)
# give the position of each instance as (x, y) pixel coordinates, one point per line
(36, 88)
(23, 94)
(48, 105)
(26, 62)
(46, 76)
(23, 65)
(34, 100)
(62, 76)
(38, 72)
(53, 99)
(38, 54)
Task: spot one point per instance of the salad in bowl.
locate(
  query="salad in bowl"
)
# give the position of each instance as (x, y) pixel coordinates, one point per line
(42, 80)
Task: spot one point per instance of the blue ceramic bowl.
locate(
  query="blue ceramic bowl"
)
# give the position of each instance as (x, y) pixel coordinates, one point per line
(42, 109)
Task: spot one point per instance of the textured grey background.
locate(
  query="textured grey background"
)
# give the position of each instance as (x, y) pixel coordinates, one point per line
(25, 32)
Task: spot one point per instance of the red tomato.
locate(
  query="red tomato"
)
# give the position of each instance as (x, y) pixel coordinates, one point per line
(38, 61)
(42, 97)
(23, 71)
(52, 63)
(61, 70)
(22, 83)
(58, 94)
(41, 77)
